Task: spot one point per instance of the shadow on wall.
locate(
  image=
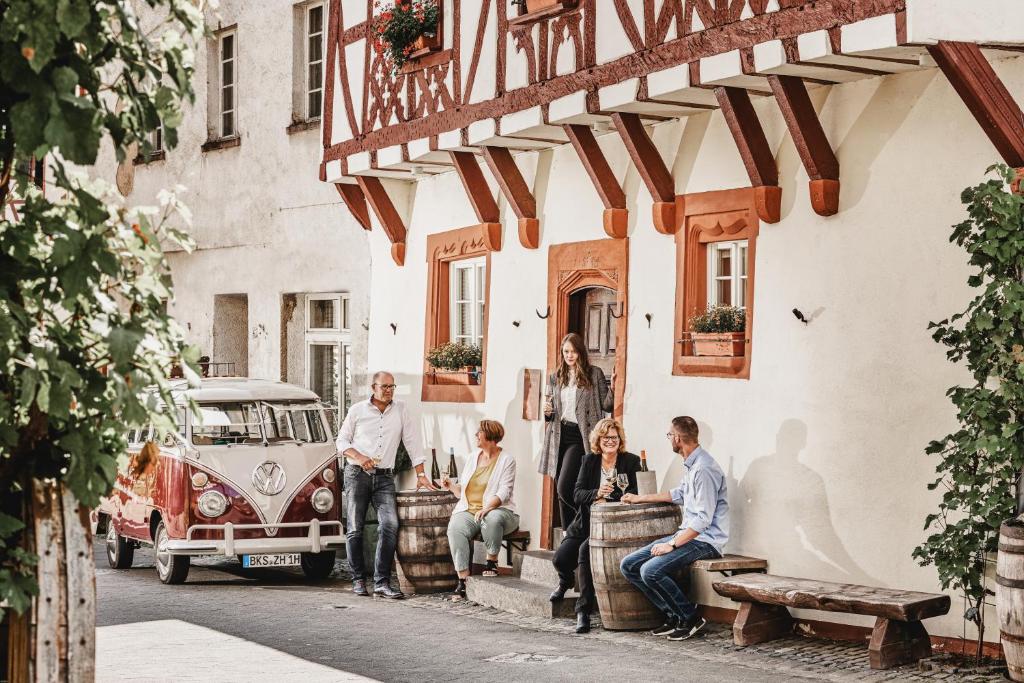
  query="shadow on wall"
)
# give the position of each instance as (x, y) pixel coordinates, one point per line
(780, 511)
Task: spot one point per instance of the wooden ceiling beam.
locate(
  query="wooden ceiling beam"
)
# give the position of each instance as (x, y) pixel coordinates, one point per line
(754, 150)
(812, 144)
(616, 216)
(384, 209)
(652, 169)
(477, 190)
(985, 95)
(517, 192)
(356, 203)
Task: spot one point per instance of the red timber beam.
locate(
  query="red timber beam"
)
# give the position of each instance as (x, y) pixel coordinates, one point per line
(616, 216)
(355, 200)
(480, 197)
(517, 192)
(754, 150)
(652, 170)
(985, 95)
(812, 145)
(385, 211)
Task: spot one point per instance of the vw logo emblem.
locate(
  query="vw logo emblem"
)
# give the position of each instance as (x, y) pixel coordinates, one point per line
(269, 478)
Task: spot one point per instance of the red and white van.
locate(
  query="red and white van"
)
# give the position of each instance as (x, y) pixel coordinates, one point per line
(255, 478)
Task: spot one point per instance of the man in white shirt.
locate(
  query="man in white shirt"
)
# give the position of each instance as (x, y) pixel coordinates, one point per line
(368, 441)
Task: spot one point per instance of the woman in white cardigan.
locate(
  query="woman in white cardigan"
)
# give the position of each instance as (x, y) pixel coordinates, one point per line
(485, 503)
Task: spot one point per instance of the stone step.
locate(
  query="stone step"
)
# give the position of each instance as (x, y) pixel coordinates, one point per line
(511, 594)
(536, 568)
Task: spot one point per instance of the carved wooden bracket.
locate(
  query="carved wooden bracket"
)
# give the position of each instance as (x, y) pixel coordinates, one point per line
(516, 191)
(652, 170)
(386, 213)
(812, 145)
(356, 203)
(754, 150)
(985, 95)
(477, 191)
(616, 216)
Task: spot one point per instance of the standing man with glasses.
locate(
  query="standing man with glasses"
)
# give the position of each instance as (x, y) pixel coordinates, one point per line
(705, 529)
(368, 440)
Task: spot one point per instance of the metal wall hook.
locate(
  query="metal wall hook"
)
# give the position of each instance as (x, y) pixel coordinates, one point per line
(613, 314)
(546, 314)
(515, 323)
(394, 328)
(648, 316)
(365, 325)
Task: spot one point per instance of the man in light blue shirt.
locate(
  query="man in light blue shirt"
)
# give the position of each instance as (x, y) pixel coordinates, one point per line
(705, 529)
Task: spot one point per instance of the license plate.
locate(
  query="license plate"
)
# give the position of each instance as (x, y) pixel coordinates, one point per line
(276, 560)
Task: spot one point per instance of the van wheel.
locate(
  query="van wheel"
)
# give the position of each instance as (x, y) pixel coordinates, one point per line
(170, 568)
(318, 566)
(120, 551)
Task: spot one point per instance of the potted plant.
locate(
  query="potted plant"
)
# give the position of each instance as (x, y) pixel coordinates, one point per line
(455, 363)
(719, 331)
(403, 28)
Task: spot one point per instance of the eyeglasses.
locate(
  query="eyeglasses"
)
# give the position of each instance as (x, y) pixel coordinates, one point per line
(386, 387)
(609, 438)
(669, 435)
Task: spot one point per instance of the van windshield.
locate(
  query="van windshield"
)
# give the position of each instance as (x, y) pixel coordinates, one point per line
(294, 422)
(224, 424)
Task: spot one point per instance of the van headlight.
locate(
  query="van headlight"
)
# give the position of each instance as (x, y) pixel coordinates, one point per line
(213, 504)
(328, 475)
(322, 499)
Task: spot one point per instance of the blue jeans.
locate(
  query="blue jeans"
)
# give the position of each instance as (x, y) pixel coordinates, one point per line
(653, 575)
(364, 490)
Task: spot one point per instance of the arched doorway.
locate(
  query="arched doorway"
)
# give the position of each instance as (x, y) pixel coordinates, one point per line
(588, 294)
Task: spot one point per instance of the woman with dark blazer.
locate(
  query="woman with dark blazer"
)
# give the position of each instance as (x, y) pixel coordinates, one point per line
(595, 484)
(576, 397)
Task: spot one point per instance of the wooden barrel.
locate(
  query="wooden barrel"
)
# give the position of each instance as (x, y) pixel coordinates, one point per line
(1010, 595)
(425, 561)
(616, 530)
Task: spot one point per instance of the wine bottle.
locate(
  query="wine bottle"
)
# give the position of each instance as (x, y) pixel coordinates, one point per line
(643, 460)
(453, 468)
(435, 471)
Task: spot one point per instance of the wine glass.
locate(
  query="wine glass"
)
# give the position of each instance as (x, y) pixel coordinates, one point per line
(622, 481)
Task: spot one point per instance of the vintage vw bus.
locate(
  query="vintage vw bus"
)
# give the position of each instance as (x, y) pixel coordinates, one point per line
(254, 475)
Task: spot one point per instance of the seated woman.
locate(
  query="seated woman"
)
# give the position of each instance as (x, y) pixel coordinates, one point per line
(596, 483)
(485, 503)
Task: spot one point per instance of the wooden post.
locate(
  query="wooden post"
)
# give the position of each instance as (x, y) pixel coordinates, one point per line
(55, 640)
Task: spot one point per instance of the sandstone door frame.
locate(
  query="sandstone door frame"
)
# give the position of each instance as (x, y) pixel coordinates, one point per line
(572, 267)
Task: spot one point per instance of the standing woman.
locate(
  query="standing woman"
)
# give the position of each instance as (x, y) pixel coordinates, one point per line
(576, 397)
(600, 481)
(485, 503)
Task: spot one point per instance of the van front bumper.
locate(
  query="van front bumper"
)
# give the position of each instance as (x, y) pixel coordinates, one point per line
(315, 540)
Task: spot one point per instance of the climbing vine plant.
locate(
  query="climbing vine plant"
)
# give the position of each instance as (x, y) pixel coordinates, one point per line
(980, 463)
(85, 340)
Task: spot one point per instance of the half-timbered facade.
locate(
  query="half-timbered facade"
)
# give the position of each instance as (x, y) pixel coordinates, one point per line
(613, 167)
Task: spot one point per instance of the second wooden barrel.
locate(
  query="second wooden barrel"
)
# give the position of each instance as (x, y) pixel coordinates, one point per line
(616, 530)
(425, 561)
(1010, 595)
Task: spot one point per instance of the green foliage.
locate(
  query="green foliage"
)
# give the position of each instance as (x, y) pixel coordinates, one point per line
(455, 356)
(981, 461)
(85, 342)
(398, 26)
(720, 319)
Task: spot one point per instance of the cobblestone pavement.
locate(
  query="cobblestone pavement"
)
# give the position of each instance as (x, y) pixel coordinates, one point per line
(429, 638)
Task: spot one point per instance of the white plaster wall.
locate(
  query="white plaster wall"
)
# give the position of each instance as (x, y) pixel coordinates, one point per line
(824, 444)
(263, 223)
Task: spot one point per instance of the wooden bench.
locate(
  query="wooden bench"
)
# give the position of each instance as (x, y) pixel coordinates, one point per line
(898, 636)
(516, 540)
(730, 565)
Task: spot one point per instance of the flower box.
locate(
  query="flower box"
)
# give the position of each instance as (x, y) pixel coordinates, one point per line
(468, 376)
(718, 343)
(538, 5)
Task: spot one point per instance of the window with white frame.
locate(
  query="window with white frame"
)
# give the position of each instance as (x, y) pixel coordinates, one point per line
(156, 138)
(328, 353)
(727, 274)
(468, 279)
(314, 60)
(228, 101)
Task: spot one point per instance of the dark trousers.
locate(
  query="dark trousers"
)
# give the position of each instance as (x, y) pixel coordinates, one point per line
(570, 456)
(653, 576)
(363, 490)
(572, 553)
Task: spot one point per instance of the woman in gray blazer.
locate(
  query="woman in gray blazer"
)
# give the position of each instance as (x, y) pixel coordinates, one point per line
(576, 397)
